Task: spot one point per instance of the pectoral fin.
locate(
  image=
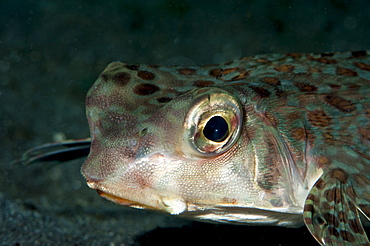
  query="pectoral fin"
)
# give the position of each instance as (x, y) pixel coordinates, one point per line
(331, 210)
(58, 151)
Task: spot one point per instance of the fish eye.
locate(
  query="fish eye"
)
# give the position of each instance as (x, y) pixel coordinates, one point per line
(216, 129)
(213, 123)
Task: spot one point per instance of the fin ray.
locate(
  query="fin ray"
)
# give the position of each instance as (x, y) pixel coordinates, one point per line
(58, 151)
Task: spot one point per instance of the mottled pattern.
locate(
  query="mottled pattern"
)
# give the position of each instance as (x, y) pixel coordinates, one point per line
(298, 127)
(296, 147)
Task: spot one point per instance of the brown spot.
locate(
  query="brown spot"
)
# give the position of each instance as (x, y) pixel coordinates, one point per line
(359, 53)
(365, 133)
(285, 68)
(186, 71)
(326, 206)
(294, 55)
(215, 72)
(325, 60)
(329, 195)
(355, 226)
(332, 231)
(353, 86)
(121, 78)
(271, 80)
(261, 92)
(280, 93)
(334, 86)
(362, 66)
(311, 197)
(341, 216)
(132, 67)
(229, 200)
(309, 207)
(146, 75)
(332, 220)
(203, 83)
(345, 72)
(314, 70)
(338, 195)
(318, 118)
(246, 58)
(311, 138)
(105, 76)
(350, 192)
(320, 184)
(164, 99)
(340, 103)
(262, 60)
(145, 89)
(347, 236)
(241, 76)
(339, 174)
(323, 161)
(352, 207)
(218, 72)
(298, 133)
(228, 70)
(328, 137)
(305, 87)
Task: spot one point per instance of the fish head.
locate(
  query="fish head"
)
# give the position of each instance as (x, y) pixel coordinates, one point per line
(169, 144)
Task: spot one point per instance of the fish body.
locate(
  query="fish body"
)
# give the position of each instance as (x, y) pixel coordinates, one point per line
(269, 139)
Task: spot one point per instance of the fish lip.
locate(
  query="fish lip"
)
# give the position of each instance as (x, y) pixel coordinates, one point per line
(123, 201)
(169, 204)
(95, 185)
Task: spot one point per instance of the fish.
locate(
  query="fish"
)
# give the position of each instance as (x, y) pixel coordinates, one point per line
(271, 139)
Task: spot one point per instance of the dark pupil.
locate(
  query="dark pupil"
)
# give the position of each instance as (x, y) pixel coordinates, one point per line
(216, 129)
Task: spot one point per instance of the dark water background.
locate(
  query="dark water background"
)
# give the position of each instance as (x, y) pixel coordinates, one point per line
(52, 51)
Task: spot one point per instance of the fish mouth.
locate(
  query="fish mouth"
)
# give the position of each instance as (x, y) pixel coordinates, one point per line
(151, 200)
(124, 202)
(106, 194)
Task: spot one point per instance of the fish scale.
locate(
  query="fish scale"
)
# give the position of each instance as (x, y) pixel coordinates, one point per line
(295, 149)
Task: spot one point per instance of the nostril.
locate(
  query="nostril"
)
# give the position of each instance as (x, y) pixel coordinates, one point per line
(143, 132)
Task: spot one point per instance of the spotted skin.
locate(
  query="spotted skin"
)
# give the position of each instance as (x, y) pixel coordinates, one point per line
(296, 150)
